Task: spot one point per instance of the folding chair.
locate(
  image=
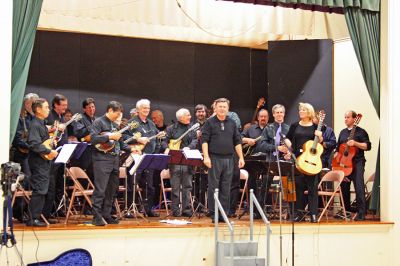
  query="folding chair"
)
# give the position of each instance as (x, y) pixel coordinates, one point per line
(244, 177)
(336, 177)
(86, 191)
(165, 175)
(122, 188)
(26, 195)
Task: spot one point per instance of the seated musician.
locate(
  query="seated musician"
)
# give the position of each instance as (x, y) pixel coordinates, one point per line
(106, 164)
(299, 133)
(181, 175)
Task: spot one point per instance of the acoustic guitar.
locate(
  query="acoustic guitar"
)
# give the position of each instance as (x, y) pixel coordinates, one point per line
(344, 158)
(260, 104)
(109, 145)
(175, 144)
(309, 162)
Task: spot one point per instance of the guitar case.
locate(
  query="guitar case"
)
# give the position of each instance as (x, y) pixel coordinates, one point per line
(77, 257)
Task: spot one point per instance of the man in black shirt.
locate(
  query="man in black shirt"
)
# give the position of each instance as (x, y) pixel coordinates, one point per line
(39, 166)
(147, 129)
(221, 138)
(106, 164)
(158, 118)
(252, 135)
(181, 175)
(82, 132)
(362, 143)
(56, 186)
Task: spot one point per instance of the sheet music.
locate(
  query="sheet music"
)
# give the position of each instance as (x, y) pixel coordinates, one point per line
(192, 154)
(66, 152)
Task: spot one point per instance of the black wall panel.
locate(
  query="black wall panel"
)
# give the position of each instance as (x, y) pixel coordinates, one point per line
(301, 71)
(170, 74)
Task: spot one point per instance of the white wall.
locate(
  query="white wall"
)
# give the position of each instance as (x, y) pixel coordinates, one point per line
(350, 93)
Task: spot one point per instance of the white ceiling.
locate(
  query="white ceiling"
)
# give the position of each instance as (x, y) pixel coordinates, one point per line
(201, 21)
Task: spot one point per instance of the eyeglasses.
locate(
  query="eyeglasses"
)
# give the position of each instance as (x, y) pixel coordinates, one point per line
(222, 126)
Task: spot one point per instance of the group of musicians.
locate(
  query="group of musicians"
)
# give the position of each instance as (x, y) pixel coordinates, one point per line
(218, 136)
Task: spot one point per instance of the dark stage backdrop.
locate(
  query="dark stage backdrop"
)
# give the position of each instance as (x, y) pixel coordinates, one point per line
(301, 71)
(170, 74)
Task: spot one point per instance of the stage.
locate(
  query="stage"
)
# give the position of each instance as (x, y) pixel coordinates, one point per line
(138, 242)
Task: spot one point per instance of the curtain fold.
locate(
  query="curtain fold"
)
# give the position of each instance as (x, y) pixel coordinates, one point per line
(364, 29)
(25, 21)
(326, 5)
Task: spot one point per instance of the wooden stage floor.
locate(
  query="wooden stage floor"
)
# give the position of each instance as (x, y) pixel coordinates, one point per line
(84, 223)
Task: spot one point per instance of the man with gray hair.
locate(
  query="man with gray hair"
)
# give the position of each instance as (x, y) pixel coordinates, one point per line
(181, 174)
(144, 144)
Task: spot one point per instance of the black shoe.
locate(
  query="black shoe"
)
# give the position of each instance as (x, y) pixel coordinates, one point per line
(98, 221)
(297, 219)
(314, 219)
(232, 215)
(152, 214)
(360, 217)
(220, 220)
(187, 214)
(36, 222)
(340, 215)
(176, 214)
(129, 216)
(111, 220)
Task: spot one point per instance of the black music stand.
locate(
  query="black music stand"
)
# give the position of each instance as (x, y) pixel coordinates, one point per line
(143, 162)
(181, 157)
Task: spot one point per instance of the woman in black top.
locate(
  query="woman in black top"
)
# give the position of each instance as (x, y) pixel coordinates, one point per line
(299, 133)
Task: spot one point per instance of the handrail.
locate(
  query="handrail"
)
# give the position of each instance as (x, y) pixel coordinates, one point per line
(254, 201)
(218, 207)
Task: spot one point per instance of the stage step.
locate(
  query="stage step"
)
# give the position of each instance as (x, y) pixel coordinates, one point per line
(244, 252)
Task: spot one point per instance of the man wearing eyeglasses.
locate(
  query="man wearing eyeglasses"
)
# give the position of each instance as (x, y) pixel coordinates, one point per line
(220, 140)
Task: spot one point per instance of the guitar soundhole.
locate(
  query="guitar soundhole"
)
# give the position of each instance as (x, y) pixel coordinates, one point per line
(313, 151)
(346, 153)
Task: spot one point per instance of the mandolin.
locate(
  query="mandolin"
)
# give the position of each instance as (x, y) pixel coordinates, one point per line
(75, 117)
(344, 158)
(175, 144)
(109, 145)
(247, 149)
(309, 162)
(139, 146)
(51, 142)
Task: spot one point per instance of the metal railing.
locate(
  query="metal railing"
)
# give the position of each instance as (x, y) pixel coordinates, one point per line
(254, 201)
(218, 207)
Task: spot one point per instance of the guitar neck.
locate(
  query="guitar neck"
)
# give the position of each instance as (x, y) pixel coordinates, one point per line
(316, 137)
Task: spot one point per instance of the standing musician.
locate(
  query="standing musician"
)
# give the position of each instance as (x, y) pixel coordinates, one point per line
(181, 175)
(362, 143)
(221, 139)
(299, 133)
(40, 167)
(56, 187)
(270, 141)
(147, 129)
(20, 145)
(82, 132)
(200, 185)
(252, 135)
(106, 164)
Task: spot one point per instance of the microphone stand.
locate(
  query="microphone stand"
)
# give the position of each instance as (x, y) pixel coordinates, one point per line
(283, 137)
(280, 196)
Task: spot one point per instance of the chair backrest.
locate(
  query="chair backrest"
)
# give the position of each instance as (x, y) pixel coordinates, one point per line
(332, 176)
(122, 172)
(165, 174)
(244, 175)
(78, 174)
(370, 179)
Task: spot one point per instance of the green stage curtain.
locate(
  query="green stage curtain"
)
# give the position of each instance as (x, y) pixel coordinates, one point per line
(25, 21)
